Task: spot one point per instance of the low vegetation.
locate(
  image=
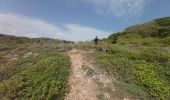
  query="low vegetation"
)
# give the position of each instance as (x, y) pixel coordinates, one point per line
(139, 57)
(33, 68)
(45, 78)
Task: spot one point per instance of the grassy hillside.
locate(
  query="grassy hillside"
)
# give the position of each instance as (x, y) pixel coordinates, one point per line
(33, 68)
(139, 57)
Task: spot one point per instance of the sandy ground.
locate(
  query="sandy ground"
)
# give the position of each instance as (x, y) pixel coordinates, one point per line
(82, 87)
(87, 82)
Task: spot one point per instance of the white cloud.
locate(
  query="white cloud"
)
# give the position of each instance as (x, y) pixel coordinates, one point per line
(79, 32)
(119, 8)
(18, 25)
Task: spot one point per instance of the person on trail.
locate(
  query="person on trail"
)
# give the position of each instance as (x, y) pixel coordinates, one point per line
(96, 40)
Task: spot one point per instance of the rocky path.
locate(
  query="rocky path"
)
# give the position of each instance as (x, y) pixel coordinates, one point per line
(82, 87)
(87, 82)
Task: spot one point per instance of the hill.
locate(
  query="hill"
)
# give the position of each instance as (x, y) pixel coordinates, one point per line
(33, 68)
(156, 29)
(134, 63)
(139, 57)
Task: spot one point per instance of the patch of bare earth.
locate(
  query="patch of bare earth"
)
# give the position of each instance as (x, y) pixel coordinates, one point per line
(81, 87)
(88, 82)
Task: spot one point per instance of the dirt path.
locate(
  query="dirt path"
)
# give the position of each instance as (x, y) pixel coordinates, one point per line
(82, 87)
(87, 82)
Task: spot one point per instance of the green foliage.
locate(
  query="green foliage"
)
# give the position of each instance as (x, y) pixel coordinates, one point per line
(154, 56)
(40, 45)
(147, 29)
(116, 65)
(140, 57)
(113, 38)
(166, 70)
(163, 31)
(85, 45)
(143, 68)
(159, 28)
(135, 89)
(166, 41)
(45, 78)
(151, 42)
(133, 38)
(30, 70)
(146, 74)
(163, 21)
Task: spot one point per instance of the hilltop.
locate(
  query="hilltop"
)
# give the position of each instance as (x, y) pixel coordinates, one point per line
(154, 30)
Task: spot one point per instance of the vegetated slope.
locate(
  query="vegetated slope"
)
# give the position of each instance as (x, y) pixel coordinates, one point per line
(33, 68)
(139, 57)
(90, 82)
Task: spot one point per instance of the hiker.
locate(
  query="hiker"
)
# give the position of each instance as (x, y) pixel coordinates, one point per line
(96, 40)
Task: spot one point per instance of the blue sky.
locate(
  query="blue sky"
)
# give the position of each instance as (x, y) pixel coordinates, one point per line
(76, 19)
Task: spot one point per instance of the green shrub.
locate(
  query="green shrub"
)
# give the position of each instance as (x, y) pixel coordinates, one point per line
(140, 57)
(85, 45)
(165, 69)
(147, 75)
(131, 38)
(136, 90)
(46, 79)
(163, 21)
(113, 38)
(137, 40)
(151, 42)
(149, 29)
(146, 71)
(114, 65)
(166, 41)
(150, 55)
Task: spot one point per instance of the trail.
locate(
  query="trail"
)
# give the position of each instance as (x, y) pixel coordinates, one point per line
(87, 82)
(82, 87)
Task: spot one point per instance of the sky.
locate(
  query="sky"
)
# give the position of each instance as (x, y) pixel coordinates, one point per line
(76, 20)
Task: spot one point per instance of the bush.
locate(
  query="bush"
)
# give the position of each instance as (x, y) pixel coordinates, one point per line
(132, 38)
(136, 90)
(140, 57)
(147, 75)
(166, 41)
(150, 55)
(165, 69)
(114, 65)
(163, 21)
(146, 30)
(46, 79)
(151, 42)
(113, 38)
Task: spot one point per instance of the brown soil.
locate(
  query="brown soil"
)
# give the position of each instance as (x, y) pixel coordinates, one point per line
(82, 87)
(88, 82)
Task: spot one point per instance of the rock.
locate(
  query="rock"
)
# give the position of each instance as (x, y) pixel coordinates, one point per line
(30, 54)
(103, 49)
